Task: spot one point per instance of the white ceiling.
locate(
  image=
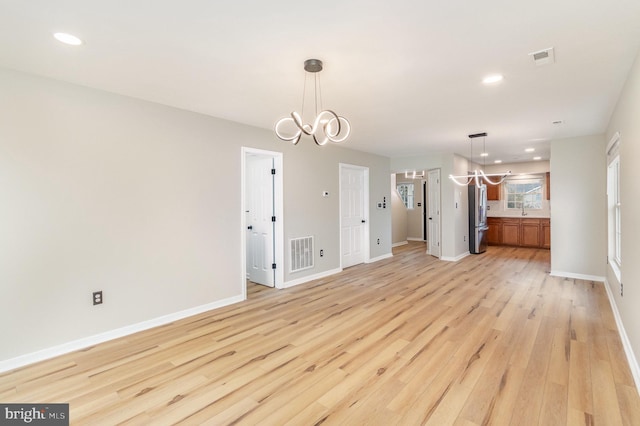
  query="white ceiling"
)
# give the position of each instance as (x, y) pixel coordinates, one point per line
(406, 73)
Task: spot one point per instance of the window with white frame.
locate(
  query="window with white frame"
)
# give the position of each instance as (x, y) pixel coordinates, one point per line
(524, 193)
(406, 193)
(613, 202)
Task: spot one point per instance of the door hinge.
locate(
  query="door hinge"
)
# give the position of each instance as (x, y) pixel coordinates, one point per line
(273, 171)
(273, 266)
(273, 218)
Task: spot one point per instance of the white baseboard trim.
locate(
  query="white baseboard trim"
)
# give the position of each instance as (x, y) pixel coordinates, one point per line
(415, 239)
(455, 259)
(626, 344)
(308, 278)
(41, 355)
(376, 259)
(577, 276)
(401, 243)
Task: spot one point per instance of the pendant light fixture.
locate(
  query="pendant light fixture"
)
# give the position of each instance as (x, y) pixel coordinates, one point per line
(479, 177)
(327, 125)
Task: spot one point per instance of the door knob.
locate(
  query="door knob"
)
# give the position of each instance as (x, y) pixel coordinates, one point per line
(249, 227)
(362, 220)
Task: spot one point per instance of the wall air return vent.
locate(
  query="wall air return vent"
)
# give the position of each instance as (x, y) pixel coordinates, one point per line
(301, 253)
(543, 57)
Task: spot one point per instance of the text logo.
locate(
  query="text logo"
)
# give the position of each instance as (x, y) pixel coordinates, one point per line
(34, 414)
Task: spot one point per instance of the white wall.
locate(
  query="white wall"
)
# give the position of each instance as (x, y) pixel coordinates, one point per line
(460, 208)
(141, 201)
(417, 162)
(310, 170)
(578, 207)
(398, 215)
(626, 120)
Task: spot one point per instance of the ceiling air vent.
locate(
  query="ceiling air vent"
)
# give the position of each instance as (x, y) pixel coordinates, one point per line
(543, 57)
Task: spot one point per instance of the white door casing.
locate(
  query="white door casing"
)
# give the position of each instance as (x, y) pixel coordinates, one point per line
(260, 227)
(353, 215)
(248, 155)
(434, 223)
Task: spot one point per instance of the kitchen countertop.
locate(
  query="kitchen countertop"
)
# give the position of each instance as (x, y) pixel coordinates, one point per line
(516, 216)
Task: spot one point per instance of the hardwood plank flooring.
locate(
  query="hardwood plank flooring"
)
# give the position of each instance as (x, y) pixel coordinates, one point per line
(490, 340)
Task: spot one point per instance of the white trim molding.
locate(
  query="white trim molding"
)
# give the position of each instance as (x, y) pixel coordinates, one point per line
(308, 278)
(379, 258)
(85, 342)
(401, 243)
(626, 344)
(612, 146)
(577, 276)
(455, 259)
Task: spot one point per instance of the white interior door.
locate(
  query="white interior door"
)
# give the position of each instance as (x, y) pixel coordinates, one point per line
(352, 215)
(260, 227)
(433, 237)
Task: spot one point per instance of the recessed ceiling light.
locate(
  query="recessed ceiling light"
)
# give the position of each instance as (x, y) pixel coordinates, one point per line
(529, 149)
(68, 39)
(537, 158)
(491, 79)
(484, 154)
(498, 161)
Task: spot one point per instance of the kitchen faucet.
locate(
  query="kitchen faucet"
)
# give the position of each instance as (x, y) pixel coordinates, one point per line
(523, 212)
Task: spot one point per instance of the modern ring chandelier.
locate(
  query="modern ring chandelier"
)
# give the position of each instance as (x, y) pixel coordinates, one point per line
(479, 177)
(327, 125)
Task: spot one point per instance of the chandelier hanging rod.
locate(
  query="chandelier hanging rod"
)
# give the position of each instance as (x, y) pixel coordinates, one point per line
(478, 135)
(478, 177)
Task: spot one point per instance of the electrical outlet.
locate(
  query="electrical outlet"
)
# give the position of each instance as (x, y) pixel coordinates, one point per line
(321, 252)
(97, 297)
(621, 290)
(464, 238)
(378, 241)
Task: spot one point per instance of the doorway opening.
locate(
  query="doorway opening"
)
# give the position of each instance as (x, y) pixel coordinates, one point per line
(262, 219)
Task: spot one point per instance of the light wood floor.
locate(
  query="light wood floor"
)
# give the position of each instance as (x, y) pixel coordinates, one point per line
(492, 339)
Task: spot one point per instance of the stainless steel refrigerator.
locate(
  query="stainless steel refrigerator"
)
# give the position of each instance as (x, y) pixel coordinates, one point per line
(477, 219)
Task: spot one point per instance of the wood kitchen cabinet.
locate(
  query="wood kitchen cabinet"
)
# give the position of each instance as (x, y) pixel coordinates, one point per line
(545, 233)
(495, 228)
(548, 185)
(493, 192)
(510, 232)
(520, 232)
(530, 233)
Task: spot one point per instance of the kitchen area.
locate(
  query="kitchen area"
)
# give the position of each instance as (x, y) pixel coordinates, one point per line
(518, 210)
